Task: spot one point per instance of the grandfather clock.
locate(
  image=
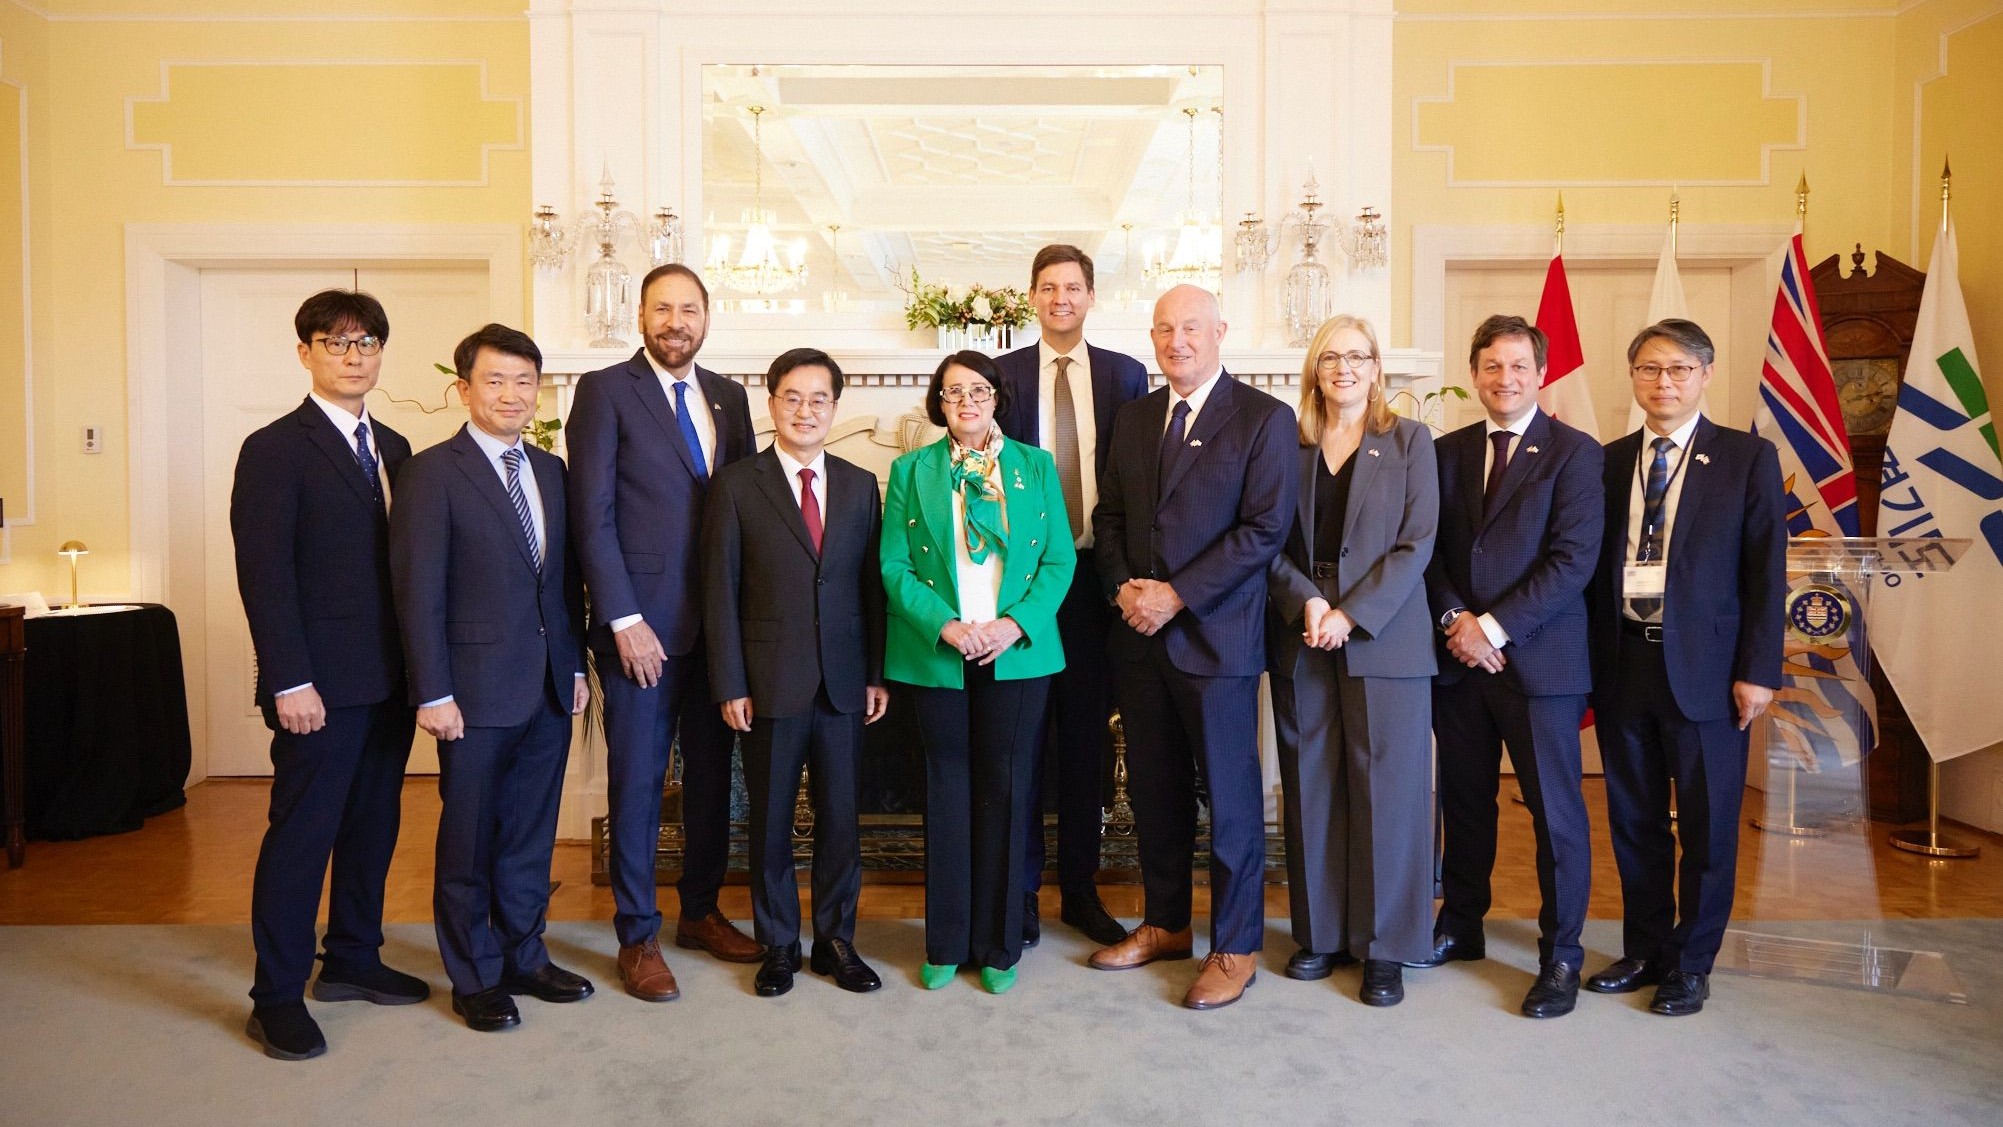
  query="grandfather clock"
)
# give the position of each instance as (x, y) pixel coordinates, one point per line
(1868, 320)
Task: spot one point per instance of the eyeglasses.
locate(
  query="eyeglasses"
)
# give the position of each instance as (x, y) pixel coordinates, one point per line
(1336, 361)
(977, 393)
(818, 403)
(338, 346)
(1677, 373)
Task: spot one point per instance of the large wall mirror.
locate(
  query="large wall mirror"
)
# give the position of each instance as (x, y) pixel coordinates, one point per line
(861, 173)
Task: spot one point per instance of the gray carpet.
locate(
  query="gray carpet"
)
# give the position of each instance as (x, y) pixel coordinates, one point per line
(144, 1025)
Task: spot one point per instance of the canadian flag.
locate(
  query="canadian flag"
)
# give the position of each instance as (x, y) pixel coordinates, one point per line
(1564, 396)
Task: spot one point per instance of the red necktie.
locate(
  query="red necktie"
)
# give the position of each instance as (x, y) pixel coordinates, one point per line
(810, 511)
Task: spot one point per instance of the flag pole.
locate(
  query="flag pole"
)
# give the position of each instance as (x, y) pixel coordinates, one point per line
(1928, 842)
(1675, 208)
(1558, 234)
(1801, 204)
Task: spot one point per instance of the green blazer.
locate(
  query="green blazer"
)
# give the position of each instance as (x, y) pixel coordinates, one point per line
(921, 574)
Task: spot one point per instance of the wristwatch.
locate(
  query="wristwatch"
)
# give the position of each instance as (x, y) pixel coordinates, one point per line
(1447, 619)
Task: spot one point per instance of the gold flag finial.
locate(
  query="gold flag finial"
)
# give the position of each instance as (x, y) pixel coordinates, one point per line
(1946, 190)
(1675, 214)
(1801, 197)
(1558, 230)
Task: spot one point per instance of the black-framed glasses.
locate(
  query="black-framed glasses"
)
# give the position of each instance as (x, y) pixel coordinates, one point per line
(1677, 373)
(338, 346)
(1336, 361)
(978, 393)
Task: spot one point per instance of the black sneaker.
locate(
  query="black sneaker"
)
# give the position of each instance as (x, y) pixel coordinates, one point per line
(286, 1031)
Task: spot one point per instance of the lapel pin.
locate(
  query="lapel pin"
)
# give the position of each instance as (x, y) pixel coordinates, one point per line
(1196, 442)
(1702, 459)
(1376, 453)
(1529, 449)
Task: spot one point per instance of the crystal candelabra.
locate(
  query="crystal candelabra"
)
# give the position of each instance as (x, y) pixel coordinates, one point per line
(608, 285)
(1304, 304)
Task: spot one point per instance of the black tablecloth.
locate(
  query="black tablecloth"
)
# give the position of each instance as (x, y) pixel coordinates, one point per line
(107, 722)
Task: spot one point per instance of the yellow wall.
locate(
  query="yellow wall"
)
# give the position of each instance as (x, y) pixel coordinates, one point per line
(290, 121)
(1613, 102)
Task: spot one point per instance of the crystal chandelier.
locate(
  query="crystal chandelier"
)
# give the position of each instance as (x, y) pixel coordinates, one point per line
(1304, 304)
(1198, 257)
(758, 268)
(608, 285)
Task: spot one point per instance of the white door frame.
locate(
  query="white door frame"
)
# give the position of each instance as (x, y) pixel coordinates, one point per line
(163, 263)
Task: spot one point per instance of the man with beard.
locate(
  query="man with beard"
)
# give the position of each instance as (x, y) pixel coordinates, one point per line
(645, 438)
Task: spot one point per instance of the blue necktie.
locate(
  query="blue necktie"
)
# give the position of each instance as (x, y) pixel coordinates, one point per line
(687, 426)
(368, 460)
(512, 459)
(1651, 524)
(1171, 444)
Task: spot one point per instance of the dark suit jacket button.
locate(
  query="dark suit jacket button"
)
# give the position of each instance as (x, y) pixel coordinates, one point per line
(542, 631)
(1345, 553)
(819, 582)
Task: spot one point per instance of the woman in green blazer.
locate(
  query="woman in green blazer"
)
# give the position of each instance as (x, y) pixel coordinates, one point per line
(977, 554)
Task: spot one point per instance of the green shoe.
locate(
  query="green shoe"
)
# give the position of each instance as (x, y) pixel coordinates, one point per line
(933, 977)
(997, 981)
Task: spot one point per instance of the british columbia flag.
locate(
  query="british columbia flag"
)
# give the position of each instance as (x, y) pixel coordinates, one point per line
(1825, 714)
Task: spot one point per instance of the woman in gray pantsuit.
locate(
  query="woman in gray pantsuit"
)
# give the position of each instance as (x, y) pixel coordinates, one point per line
(1351, 653)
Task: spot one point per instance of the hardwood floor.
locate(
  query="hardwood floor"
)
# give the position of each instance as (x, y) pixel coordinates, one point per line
(194, 866)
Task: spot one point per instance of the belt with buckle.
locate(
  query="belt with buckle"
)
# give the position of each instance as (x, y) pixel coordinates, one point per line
(1646, 631)
(1324, 571)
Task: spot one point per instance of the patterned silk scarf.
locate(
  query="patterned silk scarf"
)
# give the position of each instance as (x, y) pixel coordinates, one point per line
(974, 471)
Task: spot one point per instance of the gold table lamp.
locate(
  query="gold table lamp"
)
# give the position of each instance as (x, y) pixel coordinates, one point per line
(73, 549)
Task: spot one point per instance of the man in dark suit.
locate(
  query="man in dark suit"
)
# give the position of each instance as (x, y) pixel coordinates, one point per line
(1519, 532)
(1063, 394)
(1687, 606)
(793, 612)
(312, 563)
(645, 437)
(493, 616)
(1195, 501)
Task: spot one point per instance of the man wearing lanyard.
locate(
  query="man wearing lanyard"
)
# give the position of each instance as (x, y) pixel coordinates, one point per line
(1687, 607)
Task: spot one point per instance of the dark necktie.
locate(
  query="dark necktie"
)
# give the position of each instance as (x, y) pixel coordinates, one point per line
(810, 510)
(687, 427)
(367, 458)
(1650, 550)
(1496, 467)
(1065, 438)
(1171, 443)
(512, 459)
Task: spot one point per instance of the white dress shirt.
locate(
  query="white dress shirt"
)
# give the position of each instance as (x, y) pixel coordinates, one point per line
(1497, 636)
(1637, 501)
(1196, 399)
(1086, 410)
(979, 583)
(346, 422)
(820, 467)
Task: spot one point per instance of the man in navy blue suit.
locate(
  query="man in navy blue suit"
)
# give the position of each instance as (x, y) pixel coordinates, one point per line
(1063, 394)
(645, 437)
(1686, 612)
(312, 563)
(1519, 533)
(1195, 501)
(493, 617)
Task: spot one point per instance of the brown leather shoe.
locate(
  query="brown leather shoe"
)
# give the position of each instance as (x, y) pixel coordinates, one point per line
(1222, 981)
(717, 935)
(1146, 944)
(645, 974)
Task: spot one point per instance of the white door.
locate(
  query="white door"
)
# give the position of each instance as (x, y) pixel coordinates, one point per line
(251, 375)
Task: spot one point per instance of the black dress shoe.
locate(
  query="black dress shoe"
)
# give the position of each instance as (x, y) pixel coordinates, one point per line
(1083, 911)
(1383, 982)
(1555, 992)
(1682, 992)
(775, 973)
(344, 982)
(286, 1031)
(837, 959)
(549, 983)
(1032, 921)
(1448, 948)
(1625, 976)
(487, 1011)
(1309, 966)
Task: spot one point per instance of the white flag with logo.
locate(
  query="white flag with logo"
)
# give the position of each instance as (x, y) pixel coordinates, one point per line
(1933, 633)
(1665, 300)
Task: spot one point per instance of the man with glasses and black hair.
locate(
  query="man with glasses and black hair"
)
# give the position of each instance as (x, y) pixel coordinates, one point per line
(1063, 394)
(793, 618)
(309, 516)
(1686, 609)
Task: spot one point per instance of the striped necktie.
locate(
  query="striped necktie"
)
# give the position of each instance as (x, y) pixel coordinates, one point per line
(512, 459)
